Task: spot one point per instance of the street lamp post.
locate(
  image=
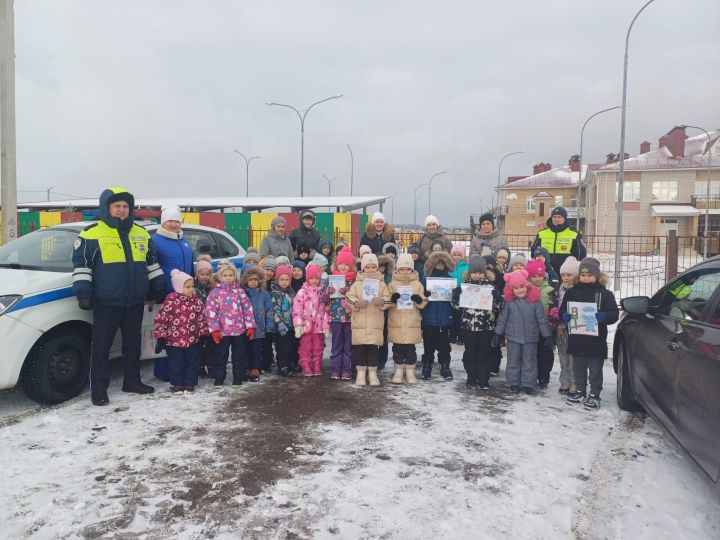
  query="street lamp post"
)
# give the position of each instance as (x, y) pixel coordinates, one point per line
(706, 231)
(329, 181)
(582, 133)
(497, 217)
(621, 173)
(352, 170)
(302, 116)
(430, 189)
(247, 170)
(392, 207)
(415, 202)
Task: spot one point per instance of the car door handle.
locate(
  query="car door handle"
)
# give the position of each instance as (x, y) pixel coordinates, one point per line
(673, 345)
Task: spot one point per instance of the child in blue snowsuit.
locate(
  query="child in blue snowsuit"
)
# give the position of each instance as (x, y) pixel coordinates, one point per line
(437, 319)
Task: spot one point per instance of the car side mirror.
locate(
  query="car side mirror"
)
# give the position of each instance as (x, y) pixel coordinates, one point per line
(635, 305)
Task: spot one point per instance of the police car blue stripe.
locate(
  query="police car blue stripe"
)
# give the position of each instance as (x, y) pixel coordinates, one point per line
(42, 298)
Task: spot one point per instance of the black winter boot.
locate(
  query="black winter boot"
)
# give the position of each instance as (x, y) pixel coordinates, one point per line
(426, 370)
(445, 372)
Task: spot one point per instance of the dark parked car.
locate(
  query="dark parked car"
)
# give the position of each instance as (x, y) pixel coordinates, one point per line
(667, 359)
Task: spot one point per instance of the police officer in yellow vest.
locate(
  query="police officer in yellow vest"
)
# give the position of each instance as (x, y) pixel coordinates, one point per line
(115, 272)
(559, 239)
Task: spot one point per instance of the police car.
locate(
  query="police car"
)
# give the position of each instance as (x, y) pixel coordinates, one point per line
(45, 336)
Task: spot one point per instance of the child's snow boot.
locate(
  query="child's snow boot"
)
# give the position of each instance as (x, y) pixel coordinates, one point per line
(574, 398)
(372, 376)
(361, 376)
(410, 374)
(397, 377)
(592, 402)
(445, 372)
(426, 371)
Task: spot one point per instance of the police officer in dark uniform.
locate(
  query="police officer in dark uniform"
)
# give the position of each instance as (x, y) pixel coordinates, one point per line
(559, 239)
(115, 271)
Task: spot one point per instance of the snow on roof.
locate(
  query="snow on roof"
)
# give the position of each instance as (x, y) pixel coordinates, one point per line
(215, 203)
(554, 178)
(661, 158)
(674, 210)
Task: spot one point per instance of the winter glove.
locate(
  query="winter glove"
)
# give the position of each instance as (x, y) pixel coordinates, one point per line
(549, 342)
(495, 341)
(456, 292)
(566, 317)
(298, 332)
(250, 333)
(600, 316)
(395, 297)
(378, 302)
(327, 333)
(554, 313)
(427, 294)
(416, 298)
(85, 304)
(282, 328)
(342, 290)
(361, 304)
(160, 344)
(217, 336)
(331, 290)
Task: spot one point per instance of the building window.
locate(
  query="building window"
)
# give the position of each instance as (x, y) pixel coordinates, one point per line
(665, 191)
(701, 188)
(530, 223)
(558, 200)
(530, 205)
(631, 191)
(573, 202)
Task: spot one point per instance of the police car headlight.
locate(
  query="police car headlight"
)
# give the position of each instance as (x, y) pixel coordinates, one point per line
(8, 301)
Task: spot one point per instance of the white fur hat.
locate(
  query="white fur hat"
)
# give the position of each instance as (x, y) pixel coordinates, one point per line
(170, 213)
(432, 219)
(376, 216)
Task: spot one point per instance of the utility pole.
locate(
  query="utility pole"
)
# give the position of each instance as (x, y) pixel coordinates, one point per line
(8, 167)
(352, 170)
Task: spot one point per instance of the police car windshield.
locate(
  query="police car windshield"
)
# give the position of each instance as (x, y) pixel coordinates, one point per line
(49, 250)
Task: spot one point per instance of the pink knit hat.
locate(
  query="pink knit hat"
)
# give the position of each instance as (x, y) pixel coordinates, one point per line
(518, 278)
(312, 271)
(284, 270)
(345, 257)
(536, 268)
(203, 263)
(459, 248)
(179, 279)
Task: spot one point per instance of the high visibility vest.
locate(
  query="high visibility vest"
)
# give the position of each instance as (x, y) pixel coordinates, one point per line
(110, 245)
(680, 290)
(557, 243)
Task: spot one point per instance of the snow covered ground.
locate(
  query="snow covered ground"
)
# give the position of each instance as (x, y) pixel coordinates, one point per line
(314, 458)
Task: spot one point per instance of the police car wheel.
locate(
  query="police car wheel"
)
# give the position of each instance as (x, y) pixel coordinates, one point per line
(57, 368)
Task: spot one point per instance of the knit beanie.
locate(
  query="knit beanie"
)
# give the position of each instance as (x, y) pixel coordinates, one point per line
(405, 261)
(225, 264)
(269, 263)
(518, 258)
(559, 211)
(570, 266)
(490, 260)
(377, 216)
(518, 278)
(251, 249)
(178, 280)
(282, 260)
(368, 258)
(277, 221)
(170, 213)
(320, 259)
(203, 263)
(298, 264)
(307, 213)
(284, 270)
(477, 265)
(487, 217)
(364, 250)
(414, 248)
(459, 248)
(535, 268)
(345, 257)
(251, 257)
(302, 248)
(432, 219)
(502, 251)
(390, 248)
(313, 271)
(437, 243)
(590, 265)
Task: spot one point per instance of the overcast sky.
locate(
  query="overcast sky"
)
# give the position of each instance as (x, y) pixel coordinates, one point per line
(155, 94)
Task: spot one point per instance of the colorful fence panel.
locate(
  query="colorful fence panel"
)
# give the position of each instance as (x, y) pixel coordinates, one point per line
(238, 226)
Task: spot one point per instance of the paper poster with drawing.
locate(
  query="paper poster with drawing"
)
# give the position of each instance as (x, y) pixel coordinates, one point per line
(404, 301)
(441, 289)
(370, 289)
(582, 318)
(476, 296)
(337, 283)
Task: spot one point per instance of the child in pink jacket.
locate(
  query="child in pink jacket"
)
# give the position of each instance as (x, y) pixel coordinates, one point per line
(311, 322)
(232, 323)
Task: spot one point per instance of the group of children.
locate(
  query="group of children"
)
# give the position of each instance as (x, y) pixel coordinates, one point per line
(364, 304)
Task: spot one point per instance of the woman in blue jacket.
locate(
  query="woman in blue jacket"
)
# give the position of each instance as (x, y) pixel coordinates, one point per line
(173, 252)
